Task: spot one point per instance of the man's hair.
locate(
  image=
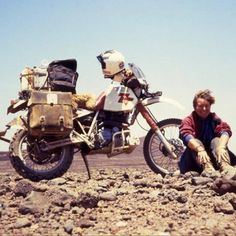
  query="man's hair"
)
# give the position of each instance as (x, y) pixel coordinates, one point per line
(205, 94)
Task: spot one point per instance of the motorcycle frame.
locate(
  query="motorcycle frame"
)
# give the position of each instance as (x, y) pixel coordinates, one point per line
(77, 138)
(141, 108)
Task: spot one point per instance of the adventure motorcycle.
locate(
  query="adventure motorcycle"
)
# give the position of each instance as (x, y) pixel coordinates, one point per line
(50, 133)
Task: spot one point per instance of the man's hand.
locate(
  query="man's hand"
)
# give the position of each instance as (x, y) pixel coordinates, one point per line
(197, 146)
(221, 151)
(202, 157)
(222, 155)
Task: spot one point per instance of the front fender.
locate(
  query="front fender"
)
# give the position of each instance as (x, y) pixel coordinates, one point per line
(172, 102)
(150, 101)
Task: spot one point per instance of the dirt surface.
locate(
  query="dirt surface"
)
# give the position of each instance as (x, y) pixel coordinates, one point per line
(123, 198)
(95, 162)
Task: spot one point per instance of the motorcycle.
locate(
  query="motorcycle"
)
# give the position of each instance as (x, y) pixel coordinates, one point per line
(43, 150)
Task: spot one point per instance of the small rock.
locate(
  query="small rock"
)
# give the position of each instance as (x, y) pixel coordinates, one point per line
(181, 199)
(212, 223)
(42, 188)
(69, 225)
(191, 174)
(233, 202)
(140, 183)
(2, 206)
(4, 189)
(126, 217)
(88, 200)
(154, 194)
(77, 231)
(54, 224)
(85, 223)
(179, 187)
(138, 175)
(57, 181)
(126, 176)
(22, 222)
(155, 185)
(223, 207)
(35, 202)
(77, 210)
(59, 197)
(108, 196)
(121, 224)
(23, 188)
(184, 211)
(122, 191)
(201, 180)
(147, 232)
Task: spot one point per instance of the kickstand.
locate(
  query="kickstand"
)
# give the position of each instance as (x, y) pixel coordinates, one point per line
(86, 163)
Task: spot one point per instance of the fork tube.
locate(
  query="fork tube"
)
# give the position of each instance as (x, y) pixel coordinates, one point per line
(146, 115)
(167, 145)
(153, 124)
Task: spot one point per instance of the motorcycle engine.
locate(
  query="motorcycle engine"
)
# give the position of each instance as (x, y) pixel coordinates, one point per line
(110, 123)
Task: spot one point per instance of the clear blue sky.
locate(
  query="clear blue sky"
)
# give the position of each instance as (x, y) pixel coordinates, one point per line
(181, 45)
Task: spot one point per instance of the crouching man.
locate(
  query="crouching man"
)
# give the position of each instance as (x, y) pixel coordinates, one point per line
(206, 137)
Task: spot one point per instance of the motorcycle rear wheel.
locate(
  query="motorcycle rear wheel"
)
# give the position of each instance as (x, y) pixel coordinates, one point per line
(156, 155)
(33, 166)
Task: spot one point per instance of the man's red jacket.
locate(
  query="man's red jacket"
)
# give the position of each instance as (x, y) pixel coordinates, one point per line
(193, 126)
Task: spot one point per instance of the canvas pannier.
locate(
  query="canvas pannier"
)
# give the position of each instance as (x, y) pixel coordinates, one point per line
(50, 113)
(62, 75)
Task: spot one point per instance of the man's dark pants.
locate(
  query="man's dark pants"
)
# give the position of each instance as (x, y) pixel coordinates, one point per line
(188, 160)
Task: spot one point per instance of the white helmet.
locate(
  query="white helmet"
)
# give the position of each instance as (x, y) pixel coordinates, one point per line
(112, 62)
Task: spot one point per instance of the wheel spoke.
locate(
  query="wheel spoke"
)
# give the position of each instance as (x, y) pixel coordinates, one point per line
(31, 159)
(157, 156)
(30, 162)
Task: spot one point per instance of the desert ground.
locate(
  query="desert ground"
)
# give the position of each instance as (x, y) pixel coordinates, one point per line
(123, 197)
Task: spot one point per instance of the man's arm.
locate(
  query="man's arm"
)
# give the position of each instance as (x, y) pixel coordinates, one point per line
(221, 150)
(195, 145)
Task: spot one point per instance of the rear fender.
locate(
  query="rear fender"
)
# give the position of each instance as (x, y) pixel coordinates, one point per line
(18, 123)
(16, 106)
(15, 124)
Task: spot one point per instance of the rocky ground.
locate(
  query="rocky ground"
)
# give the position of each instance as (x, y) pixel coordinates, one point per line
(116, 201)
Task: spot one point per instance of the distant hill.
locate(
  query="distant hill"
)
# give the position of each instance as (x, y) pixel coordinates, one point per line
(3, 156)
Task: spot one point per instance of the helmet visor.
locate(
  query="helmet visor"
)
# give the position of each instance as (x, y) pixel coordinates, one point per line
(100, 59)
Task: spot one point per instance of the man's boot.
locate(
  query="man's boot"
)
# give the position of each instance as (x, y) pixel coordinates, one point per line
(208, 169)
(221, 154)
(227, 171)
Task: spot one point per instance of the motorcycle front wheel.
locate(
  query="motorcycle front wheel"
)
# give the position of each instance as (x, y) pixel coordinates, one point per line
(155, 153)
(32, 164)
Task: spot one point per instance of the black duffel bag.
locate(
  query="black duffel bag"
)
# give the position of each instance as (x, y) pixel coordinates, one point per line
(62, 75)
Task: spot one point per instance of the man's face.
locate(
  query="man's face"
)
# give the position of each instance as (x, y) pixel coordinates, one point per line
(202, 108)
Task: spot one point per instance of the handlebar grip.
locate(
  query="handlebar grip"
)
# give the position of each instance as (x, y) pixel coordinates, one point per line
(155, 94)
(158, 93)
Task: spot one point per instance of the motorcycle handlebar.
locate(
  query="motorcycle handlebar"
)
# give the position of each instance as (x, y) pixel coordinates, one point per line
(152, 95)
